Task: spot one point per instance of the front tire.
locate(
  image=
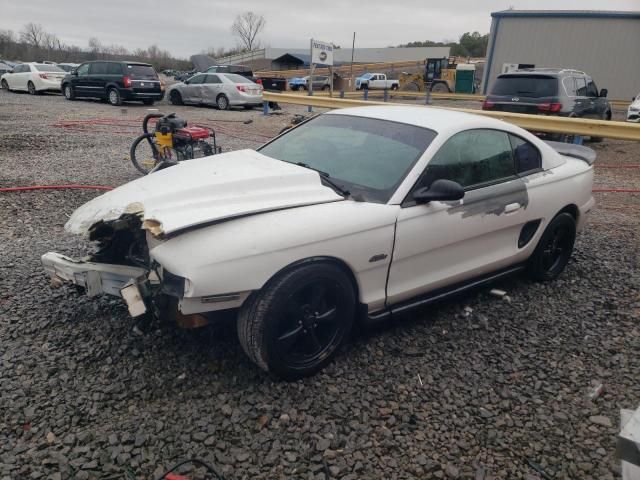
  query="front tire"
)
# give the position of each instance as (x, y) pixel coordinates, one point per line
(68, 92)
(222, 102)
(5, 85)
(114, 98)
(554, 249)
(440, 87)
(295, 325)
(32, 88)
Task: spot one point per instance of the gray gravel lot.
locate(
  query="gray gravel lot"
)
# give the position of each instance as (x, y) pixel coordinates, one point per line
(499, 390)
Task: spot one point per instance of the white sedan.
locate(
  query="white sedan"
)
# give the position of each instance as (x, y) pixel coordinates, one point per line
(33, 78)
(223, 90)
(633, 113)
(355, 215)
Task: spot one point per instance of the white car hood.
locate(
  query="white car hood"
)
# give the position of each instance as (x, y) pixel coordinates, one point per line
(206, 190)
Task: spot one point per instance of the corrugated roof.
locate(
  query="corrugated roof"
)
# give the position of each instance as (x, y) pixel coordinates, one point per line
(566, 13)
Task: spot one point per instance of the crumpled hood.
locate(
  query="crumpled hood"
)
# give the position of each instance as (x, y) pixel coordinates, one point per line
(205, 190)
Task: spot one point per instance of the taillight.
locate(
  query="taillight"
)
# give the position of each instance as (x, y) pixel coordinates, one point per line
(43, 75)
(259, 81)
(487, 105)
(550, 107)
(127, 82)
(241, 88)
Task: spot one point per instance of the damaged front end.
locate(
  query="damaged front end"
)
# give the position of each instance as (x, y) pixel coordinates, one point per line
(121, 267)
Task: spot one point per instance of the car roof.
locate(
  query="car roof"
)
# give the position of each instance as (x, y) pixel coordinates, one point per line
(433, 118)
(543, 72)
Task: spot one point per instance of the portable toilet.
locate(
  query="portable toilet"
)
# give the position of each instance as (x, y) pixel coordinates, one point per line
(465, 77)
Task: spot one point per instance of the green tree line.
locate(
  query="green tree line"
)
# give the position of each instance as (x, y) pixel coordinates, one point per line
(471, 44)
(34, 43)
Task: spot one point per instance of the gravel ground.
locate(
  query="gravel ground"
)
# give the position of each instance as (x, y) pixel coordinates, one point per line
(476, 387)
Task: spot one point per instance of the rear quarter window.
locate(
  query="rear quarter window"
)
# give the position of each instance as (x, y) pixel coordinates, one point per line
(114, 69)
(141, 72)
(48, 68)
(534, 86)
(235, 78)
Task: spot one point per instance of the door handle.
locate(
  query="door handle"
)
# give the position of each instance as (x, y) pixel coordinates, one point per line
(512, 207)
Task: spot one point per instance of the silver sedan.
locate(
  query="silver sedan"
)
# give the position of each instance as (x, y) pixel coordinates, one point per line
(223, 90)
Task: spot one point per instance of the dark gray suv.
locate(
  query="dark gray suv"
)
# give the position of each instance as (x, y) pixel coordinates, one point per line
(549, 91)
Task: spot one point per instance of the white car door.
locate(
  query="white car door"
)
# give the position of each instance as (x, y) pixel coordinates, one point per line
(18, 79)
(191, 89)
(210, 88)
(442, 243)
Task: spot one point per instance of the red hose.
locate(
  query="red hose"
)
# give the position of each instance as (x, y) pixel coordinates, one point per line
(55, 187)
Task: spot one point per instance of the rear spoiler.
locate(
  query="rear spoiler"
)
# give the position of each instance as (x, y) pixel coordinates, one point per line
(572, 150)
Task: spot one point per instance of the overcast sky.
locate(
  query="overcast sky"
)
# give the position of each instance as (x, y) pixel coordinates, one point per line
(185, 27)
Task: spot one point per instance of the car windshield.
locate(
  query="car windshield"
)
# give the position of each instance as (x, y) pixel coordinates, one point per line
(237, 78)
(535, 86)
(366, 76)
(141, 72)
(367, 156)
(48, 68)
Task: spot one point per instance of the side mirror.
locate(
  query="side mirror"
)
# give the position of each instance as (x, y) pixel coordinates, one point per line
(74, 72)
(439, 190)
(186, 82)
(603, 92)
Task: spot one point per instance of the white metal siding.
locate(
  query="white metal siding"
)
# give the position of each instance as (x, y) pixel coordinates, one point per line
(608, 49)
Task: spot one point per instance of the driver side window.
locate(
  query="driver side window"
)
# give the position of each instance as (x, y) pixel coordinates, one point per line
(473, 158)
(83, 69)
(196, 80)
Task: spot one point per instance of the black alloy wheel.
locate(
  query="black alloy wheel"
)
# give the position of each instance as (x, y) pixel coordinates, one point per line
(554, 248)
(310, 328)
(295, 325)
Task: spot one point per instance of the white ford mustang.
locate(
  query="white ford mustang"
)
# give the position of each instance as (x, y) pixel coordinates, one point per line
(356, 214)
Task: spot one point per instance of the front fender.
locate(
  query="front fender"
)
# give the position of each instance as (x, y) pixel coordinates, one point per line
(242, 254)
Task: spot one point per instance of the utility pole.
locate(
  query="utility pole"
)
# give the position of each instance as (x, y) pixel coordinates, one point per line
(353, 46)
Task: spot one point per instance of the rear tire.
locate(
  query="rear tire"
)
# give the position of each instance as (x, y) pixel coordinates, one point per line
(326, 87)
(296, 323)
(440, 87)
(554, 249)
(67, 91)
(113, 97)
(222, 102)
(148, 102)
(175, 97)
(32, 88)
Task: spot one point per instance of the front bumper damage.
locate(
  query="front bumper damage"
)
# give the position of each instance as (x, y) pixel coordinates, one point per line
(131, 283)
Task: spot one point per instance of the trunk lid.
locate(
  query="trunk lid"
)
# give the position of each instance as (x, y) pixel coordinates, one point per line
(207, 190)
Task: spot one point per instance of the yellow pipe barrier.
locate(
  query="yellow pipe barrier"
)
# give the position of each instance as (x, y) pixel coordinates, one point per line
(434, 95)
(536, 123)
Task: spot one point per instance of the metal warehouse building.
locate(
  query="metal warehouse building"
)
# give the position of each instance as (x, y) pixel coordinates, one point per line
(605, 45)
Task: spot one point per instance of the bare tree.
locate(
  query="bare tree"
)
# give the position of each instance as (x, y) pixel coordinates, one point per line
(95, 46)
(247, 27)
(33, 34)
